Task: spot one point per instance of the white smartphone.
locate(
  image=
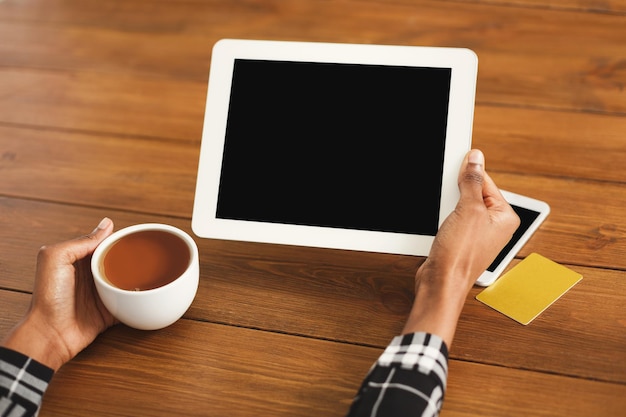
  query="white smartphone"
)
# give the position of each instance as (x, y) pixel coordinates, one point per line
(532, 213)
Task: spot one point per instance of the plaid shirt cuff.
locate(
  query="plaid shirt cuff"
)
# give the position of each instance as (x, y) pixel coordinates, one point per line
(409, 378)
(427, 353)
(23, 382)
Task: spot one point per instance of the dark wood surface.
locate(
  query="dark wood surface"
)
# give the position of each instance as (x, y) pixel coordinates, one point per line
(101, 111)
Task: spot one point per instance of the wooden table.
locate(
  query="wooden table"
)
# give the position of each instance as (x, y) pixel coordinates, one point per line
(101, 111)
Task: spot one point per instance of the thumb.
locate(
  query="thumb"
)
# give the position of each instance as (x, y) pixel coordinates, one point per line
(85, 245)
(472, 175)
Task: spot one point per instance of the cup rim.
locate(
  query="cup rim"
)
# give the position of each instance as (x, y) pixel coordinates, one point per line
(102, 248)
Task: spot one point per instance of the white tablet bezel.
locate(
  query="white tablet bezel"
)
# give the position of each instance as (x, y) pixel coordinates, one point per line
(463, 63)
(489, 277)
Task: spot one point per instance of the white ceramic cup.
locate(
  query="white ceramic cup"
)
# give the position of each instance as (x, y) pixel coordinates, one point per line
(149, 309)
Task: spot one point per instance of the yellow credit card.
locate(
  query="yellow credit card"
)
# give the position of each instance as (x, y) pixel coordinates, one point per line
(529, 288)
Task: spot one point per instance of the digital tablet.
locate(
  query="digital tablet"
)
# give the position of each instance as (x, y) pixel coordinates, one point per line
(532, 213)
(340, 146)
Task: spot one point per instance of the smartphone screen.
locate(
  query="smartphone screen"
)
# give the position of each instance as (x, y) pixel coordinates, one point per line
(527, 217)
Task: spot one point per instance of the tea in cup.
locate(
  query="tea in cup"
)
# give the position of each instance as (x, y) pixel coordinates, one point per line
(147, 275)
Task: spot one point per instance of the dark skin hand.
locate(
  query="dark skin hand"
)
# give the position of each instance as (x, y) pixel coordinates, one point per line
(466, 244)
(65, 314)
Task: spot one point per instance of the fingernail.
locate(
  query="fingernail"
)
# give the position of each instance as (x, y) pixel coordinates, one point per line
(476, 157)
(104, 223)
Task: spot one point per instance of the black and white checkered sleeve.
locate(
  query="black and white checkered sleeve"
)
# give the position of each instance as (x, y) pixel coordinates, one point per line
(409, 379)
(23, 382)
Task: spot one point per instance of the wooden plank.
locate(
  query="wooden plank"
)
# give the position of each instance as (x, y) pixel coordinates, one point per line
(529, 57)
(552, 143)
(163, 16)
(593, 6)
(103, 103)
(84, 13)
(480, 390)
(590, 6)
(116, 172)
(354, 297)
(12, 308)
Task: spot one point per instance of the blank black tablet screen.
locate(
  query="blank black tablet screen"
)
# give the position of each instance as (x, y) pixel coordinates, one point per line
(335, 145)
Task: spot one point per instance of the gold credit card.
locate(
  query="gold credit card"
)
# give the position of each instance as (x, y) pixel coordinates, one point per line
(529, 288)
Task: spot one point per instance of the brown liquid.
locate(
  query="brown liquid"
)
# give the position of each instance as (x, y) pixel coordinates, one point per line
(146, 260)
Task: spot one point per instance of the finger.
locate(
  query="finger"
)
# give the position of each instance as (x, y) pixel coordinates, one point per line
(496, 203)
(472, 175)
(85, 245)
(492, 196)
(491, 190)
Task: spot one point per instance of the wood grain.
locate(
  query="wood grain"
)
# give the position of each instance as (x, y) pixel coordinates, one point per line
(552, 143)
(561, 336)
(101, 113)
(282, 375)
(594, 6)
(241, 371)
(355, 297)
(480, 390)
(573, 69)
(138, 175)
(104, 104)
(292, 376)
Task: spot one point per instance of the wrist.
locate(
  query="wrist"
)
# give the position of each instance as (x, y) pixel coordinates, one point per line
(439, 299)
(33, 338)
(449, 281)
